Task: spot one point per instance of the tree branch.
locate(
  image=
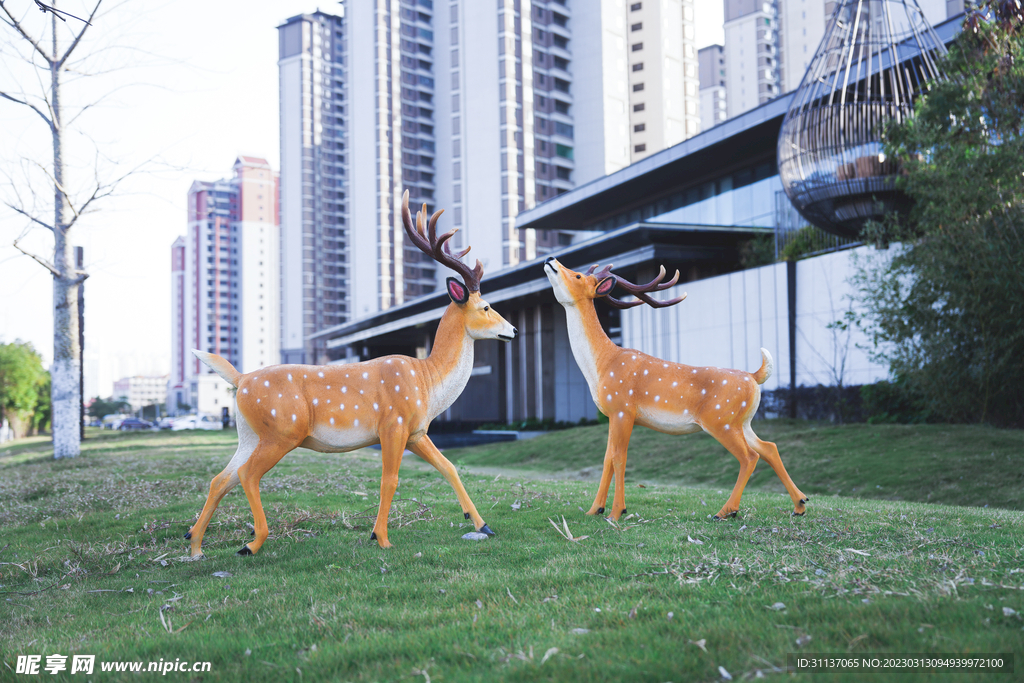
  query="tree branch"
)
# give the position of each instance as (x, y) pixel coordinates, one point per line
(43, 262)
(27, 215)
(81, 33)
(16, 25)
(29, 105)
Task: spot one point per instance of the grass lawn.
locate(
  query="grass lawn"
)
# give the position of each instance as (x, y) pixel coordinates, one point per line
(92, 561)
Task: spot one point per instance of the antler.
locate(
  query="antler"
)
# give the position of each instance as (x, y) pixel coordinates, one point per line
(640, 291)
(437, 247)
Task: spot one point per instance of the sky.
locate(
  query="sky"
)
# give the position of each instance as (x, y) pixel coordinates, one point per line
(192, 86)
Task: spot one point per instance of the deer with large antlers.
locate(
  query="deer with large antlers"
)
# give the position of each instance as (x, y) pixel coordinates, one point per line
(631, 388)
(338, 408)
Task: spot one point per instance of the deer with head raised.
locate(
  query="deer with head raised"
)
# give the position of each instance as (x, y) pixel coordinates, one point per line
(633, 388)
(338, 408)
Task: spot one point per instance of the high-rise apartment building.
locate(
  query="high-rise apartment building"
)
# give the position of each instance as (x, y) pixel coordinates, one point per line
(713, 107)
(482, 110)
(225, 278)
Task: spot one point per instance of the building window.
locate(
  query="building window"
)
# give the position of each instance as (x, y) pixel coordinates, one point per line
(639, 66)
(637, 87)
(637, 47)
(636, 27)
(639, 127)
(635, 6)
(638, 107)
(640, 148)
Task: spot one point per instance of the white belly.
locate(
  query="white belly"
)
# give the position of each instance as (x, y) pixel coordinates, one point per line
(667, 421)
(327, 439)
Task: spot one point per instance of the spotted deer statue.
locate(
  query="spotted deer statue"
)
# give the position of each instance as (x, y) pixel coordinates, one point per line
(633, 388)
(338, 408)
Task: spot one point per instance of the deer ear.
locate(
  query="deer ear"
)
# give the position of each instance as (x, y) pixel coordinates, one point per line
(605, 286)
(457, 291)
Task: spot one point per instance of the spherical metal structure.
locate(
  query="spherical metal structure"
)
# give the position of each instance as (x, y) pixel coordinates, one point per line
(876, 57)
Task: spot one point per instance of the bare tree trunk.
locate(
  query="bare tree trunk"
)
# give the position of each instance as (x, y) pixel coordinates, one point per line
(65, 393)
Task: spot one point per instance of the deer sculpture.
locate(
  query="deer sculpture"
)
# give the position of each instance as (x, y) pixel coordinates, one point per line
(338, 408)
(633, 388)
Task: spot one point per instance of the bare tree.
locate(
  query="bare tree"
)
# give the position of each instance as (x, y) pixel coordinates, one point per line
(51, 63)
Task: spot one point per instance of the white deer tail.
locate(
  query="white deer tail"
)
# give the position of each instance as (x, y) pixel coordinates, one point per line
(219, 365)
(763, 372)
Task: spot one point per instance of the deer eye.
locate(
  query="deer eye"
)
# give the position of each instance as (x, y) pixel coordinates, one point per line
(578, 277)
(487, 308)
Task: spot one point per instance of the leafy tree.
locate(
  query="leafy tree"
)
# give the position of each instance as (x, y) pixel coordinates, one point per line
(101, 408)
(21, 374)
(945, 306)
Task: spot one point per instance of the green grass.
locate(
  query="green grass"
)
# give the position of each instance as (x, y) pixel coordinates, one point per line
(88, 539)
(951, 464)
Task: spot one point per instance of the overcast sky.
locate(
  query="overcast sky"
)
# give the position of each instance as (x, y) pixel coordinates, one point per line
(200, 88)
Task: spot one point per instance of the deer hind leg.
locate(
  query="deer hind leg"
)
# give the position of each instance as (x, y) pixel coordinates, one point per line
(267, 454)
(770, 453)
(221, 484)
(426, 449)
(392, 445)
(737, 445)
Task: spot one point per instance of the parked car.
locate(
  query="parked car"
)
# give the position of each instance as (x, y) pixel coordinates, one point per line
(113, 421)
(134, 424)
(165, 423)
(197, 422)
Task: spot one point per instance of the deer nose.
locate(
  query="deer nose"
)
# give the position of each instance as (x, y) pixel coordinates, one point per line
(514, 332)
(549, 259)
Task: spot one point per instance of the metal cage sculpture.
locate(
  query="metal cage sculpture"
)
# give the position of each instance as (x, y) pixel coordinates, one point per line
(876, 57)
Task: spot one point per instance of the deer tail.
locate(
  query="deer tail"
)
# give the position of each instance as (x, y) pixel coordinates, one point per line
(219, 365)
(767, 366)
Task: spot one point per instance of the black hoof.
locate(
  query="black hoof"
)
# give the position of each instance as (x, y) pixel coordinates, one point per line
(466, 515)
(252, 533)
(716, 518)
(600, 511)
(373, 535)
(623, 512)
(245, 550)
(803, 501)
(485, 530)
(798, 514)
(188, 534)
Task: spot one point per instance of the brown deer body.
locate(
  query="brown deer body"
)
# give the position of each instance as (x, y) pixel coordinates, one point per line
(337, 408)
(633, 388)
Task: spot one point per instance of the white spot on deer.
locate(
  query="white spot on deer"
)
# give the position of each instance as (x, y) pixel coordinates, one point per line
(332, 420)
(294, 417)
(630, 392)
(645, 372)
(695, 372)
(328, 400)
(361, 391)
(257, 400)
(366, 375)
(355, 423)
(280, 395)
(319, 374)
(609, 397)
(398, 374)
(397, 387)
(686, 411)
(657, 398)
(344, 390)
(267, 383)
(296, 395)
(664, 365)
(675, 384)
(289, 377)
(273, 412)
(388, 361)
(727, 426)
(718, 406)
(633, 357)
(355, 407)
(399, 419)
(305, 377)
(744, 404)
(245, 391)
(341, 407)
(724, 382)
(419, 402)
(316, 401)
(620, 413)
(375, 406)
(703, 391)
(412, 372)
(328, 386)
(611, 374)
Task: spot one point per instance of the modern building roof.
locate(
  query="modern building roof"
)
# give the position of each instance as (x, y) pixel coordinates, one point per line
(631, 245)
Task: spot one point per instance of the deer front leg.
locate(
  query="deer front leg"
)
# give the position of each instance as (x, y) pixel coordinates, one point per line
(392, 445)
(606, 479)
(219, 487)
(747, 457)
(426, 449)
(620, 426)
(266, 455)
